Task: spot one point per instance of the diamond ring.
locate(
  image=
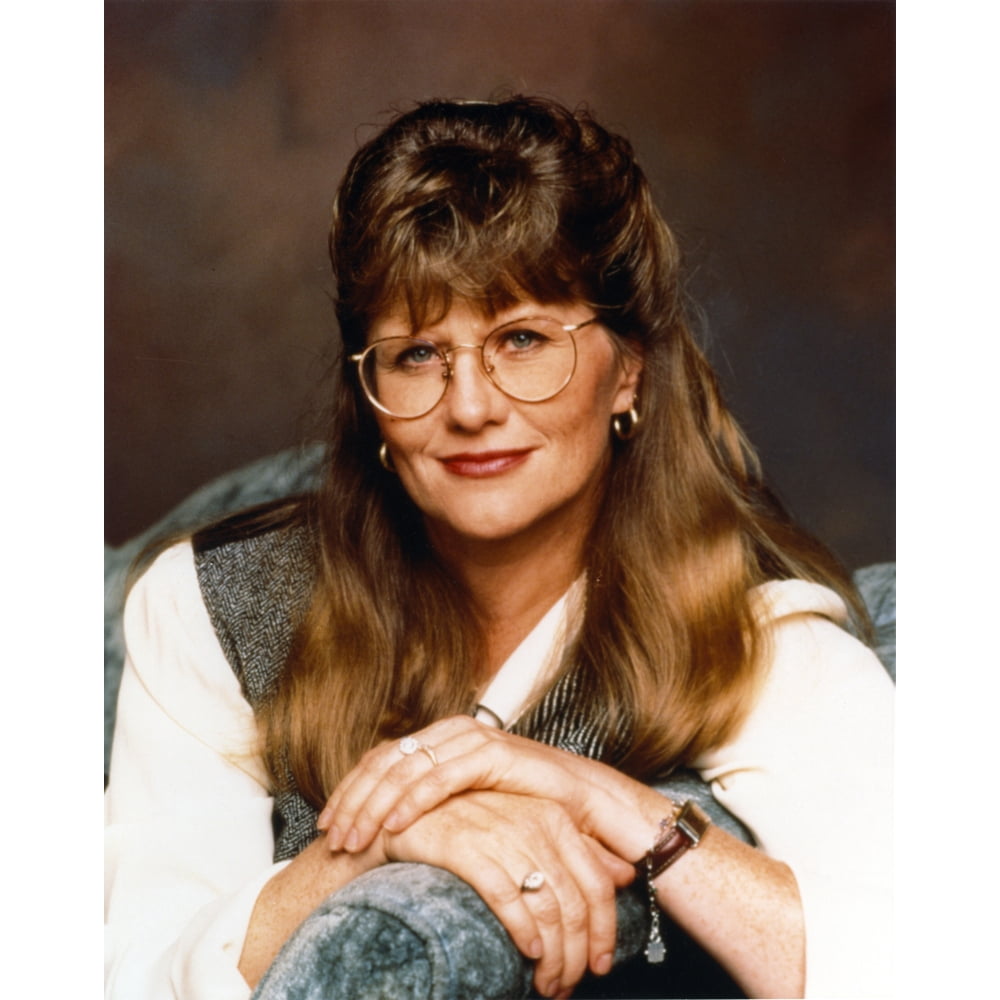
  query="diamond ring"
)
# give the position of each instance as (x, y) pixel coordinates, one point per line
(533, 882)
(409, 745)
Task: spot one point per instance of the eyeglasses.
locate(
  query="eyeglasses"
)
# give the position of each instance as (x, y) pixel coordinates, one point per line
(530, 360)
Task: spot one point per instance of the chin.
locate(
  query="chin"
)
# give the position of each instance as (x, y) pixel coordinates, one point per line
(488, 530)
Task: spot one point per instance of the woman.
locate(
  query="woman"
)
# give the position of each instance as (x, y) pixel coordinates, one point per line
(542, 570)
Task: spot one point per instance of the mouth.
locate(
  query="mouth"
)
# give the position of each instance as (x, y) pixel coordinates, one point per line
(482, 464)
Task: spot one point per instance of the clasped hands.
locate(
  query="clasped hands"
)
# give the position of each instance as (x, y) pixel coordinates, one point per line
(494, 808)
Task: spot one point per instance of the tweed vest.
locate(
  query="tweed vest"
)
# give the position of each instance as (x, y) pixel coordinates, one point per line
(257, 586)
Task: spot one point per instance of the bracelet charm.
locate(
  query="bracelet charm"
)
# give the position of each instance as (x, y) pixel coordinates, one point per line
(678, 832)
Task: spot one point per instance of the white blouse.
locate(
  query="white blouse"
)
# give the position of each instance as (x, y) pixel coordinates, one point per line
(189, 841)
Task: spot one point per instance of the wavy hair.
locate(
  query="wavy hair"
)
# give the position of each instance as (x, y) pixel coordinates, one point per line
(487, 203)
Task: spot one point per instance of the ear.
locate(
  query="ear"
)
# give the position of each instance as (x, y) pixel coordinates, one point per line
(630, 356)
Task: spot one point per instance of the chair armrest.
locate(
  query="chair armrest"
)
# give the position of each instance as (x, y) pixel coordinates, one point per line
(417, 932)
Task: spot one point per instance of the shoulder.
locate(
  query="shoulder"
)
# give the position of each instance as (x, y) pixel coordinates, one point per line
(779, 600)
(166, 596)
(820, 729)
(807, 645)
(173, 657)
(275, 542)
(255, 572)
(817, 680)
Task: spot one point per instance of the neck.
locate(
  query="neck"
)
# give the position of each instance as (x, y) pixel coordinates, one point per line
(513, 583)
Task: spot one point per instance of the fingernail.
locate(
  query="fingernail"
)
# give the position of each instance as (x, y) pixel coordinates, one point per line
(353, 837)
(391, 821)
(334, 838)
(324, 817)
(535, 951)
(603, 964)
(553, 988)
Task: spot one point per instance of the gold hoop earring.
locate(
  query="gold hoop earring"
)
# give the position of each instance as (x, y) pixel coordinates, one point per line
(385, 459)
(625, 424)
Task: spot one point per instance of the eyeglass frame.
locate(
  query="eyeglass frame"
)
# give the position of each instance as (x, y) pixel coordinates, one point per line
(444, 355)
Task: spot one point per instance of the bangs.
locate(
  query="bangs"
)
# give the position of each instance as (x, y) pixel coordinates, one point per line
(453, 224)
(491, 204)
(423, 286)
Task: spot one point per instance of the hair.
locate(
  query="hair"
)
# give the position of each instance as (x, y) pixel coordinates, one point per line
(488, 203)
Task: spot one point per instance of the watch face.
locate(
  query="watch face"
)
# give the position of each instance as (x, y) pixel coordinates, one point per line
(693, 822)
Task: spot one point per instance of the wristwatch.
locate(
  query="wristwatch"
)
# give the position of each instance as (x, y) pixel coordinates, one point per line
(684, 833)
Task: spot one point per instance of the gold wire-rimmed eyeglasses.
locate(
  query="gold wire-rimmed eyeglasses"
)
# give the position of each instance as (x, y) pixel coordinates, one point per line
(530, 359)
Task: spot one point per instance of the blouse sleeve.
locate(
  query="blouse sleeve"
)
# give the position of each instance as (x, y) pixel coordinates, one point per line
(188, 842)
(810, 773)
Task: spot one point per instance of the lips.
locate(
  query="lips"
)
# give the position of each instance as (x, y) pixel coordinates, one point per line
(479, 465)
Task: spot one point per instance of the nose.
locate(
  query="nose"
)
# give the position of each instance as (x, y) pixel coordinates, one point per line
(471, 399)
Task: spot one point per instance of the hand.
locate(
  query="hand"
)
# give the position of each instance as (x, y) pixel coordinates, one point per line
(741, 905)
(389, 790)
(492, 841)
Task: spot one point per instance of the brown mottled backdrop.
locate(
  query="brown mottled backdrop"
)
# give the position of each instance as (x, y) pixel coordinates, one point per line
(767, 130)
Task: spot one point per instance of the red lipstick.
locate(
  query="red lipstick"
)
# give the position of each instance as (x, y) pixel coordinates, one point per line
(482, 464)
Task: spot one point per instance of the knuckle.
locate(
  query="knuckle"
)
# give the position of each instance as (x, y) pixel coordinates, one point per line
(508, 896)
(371, 757)
(396, 775)
(436, 780)
(599, 887)
(547, 910)
(499, 891)
(576, 916)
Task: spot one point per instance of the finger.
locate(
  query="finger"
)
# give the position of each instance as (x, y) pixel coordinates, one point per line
(364, 798)
(483, 760)
(503, 895)
(562, 912)
(589, 913)
(621, 872)
(467, 768)
(375, 796)
(543, 939)
(544, 905)
(600, 891)
(354, 789)
(358, 818)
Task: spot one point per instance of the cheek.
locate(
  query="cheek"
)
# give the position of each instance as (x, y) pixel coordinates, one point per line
(590, 410)
(407, 441)
(398, 435)
(583, 437)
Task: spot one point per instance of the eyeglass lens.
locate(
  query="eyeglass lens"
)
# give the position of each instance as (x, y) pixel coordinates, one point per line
(530, 360)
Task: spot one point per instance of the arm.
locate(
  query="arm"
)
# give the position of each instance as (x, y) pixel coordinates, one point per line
(794, 775)
(194, 906)
(191, 906)
(811, 774)
(188, 839)
(491, 840)
(741, 905)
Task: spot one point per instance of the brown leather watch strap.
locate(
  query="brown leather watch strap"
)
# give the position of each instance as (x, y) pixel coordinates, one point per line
(667, 851)
(680, 833)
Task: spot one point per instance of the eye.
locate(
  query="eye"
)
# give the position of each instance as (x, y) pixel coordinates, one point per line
(410, 355)
(520, 340)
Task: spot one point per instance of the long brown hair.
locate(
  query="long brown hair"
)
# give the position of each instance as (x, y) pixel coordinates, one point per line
(487, 203)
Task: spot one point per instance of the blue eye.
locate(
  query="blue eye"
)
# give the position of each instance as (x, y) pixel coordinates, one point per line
(408, 354)
(524, 338)
(417, 355)
(521, 340)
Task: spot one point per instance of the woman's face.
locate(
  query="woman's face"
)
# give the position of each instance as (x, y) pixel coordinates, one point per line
(482, 466)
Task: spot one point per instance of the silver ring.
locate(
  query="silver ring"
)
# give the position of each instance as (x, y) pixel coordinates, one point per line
(409, 744)
(533, 881)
